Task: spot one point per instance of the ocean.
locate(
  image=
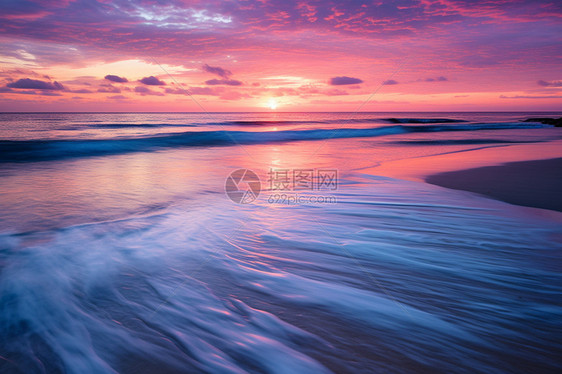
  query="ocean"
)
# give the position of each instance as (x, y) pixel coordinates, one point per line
(268, 243)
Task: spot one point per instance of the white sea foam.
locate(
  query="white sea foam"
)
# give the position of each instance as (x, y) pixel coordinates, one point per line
(138, 263)
(435, 283)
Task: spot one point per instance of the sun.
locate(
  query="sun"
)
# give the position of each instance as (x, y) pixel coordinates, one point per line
(272, 104)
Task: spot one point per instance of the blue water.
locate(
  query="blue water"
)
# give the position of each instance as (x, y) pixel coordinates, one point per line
(121, 253)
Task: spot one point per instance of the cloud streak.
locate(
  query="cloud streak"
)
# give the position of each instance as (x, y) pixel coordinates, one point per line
(109, 89)
(223, 73)
(147, 91)
(277, 47)
(224, 82)
(33, 84)
(531, 97)
(343, 80)
(437, 79)
(549, 84)
(152, 81)
(116, 79)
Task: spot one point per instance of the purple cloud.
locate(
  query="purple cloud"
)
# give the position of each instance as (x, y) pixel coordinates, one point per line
(163, 23)
(223, 73)
(192, 91)
(531, 97)
(146, 91)
(152, 81)
(550, 84)
(203, 91)
(343, 80)
(81, 91)
(37, 93)
(177, 91)
(438, 79)
(389, 82)
(228, 82)
(520, 34)
(335, 92)
(33, 84)
(110, 89)
(116, 79)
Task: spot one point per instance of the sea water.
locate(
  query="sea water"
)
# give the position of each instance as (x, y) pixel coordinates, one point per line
(121, 253)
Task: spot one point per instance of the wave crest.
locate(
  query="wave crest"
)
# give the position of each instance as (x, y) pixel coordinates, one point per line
(37, 150)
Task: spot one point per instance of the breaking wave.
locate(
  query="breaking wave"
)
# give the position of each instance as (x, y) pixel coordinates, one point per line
(399, 285)
(276, 122)
(35, 150)
(424, 120)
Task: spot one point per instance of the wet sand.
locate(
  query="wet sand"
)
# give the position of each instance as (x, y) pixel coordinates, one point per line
(527, 174)
(535, 184)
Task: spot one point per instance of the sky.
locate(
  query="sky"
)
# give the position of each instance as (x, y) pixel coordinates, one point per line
(279, 55)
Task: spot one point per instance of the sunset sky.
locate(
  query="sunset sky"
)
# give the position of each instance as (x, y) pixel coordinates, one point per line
(414, 55)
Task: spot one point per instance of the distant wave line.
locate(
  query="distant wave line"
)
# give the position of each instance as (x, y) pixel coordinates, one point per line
(37, 150)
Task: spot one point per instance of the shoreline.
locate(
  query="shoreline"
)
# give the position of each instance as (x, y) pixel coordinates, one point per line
(535, 184)
(528, 175)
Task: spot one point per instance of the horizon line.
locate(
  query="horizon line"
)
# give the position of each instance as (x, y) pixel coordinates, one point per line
(282, 112)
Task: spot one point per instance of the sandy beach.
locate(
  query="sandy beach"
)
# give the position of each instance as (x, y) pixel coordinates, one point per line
(535, 184)
(523, 174)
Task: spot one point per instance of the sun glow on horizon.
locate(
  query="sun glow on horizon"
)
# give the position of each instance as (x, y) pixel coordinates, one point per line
(272, 104)
(197, 47)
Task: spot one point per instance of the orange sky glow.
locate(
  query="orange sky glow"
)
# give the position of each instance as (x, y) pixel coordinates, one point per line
(413, 55)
